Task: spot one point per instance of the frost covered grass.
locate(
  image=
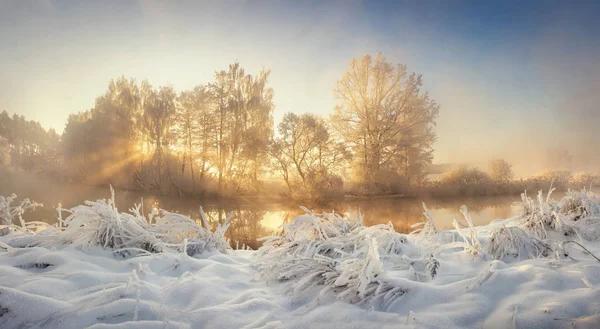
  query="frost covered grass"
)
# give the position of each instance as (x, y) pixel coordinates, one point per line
(101, 268)
(336, 253)
(99, 223)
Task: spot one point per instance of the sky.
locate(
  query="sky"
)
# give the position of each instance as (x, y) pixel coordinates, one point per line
(514, 78)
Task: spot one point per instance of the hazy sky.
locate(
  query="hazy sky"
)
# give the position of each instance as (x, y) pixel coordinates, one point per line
(507, 74)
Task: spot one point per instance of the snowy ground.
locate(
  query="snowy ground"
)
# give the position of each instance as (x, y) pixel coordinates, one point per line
(324, 272)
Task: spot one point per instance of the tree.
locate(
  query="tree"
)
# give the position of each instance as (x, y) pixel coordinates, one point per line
(464, 176)
(100, 144)
(385, 118)
(244, 123)
(305, 149)
(159, 110)
(186, 127)
(4, 152)
(26, 144)
(500, 170)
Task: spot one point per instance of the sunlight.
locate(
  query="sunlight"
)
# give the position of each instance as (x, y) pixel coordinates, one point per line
(143, 148)
(108, 172)
(272, 220)
(176, 148)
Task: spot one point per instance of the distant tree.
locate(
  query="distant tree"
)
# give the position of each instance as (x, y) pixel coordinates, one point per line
(500, 170)
(158, 116)
(244, 124)
(385, 118)
(558, 178)
(99, 145)
(194, 128)
(4, 151)
(464, 176)
(305, 149)
(26, 144)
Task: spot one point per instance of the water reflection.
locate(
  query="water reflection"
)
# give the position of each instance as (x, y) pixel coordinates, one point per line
(254, 218)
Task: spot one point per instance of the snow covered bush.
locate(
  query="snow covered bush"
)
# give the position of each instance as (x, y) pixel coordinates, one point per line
(512, 242)
(99, 223)
(575, 215)
(338, 253)
(579, 204)
(175, 229)
(541, 216)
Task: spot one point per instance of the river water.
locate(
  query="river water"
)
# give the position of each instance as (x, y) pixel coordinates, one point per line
(253, 217)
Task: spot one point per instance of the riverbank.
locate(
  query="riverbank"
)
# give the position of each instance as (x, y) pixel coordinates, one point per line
(275, 192)
(324, 271)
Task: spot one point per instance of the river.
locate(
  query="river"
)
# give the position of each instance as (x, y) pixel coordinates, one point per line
(255, 217)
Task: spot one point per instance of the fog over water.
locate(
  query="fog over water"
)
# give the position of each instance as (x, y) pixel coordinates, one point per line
(258, 217)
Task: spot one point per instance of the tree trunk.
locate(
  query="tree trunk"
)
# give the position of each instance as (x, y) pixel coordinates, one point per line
(190, 159)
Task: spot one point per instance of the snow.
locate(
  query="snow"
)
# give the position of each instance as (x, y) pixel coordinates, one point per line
(323, 271)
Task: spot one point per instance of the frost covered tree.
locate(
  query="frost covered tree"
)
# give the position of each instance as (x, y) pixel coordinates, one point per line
(306, 150)
(244, 124)
(194, 126)
(99, 144)
(137, 135)
(26, 144)
(4, 151)
(157, 118)
(386, 118)
(500, 170)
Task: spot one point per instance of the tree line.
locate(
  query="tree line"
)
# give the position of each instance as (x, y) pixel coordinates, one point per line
(26, 144)
(220, 138)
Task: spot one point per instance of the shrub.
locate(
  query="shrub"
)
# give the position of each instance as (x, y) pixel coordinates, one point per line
(99, 223)
(500, 170)
(337, 253)
(508, 242)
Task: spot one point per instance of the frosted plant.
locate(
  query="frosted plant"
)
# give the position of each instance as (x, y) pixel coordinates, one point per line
(218, 236)
(542, 216)
(429, 229)
(471, 243)
(99, 223)
(135, 283)
(9, 213)
(336, 253)
(513, 242)
(432, 265)
(356, 274)
(175, 229)
(579, 204)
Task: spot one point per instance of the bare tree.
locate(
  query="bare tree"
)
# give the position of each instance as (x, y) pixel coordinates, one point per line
(385, 118)
(193, 128)
(306, 150)
(159, 109)
(244, 116)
